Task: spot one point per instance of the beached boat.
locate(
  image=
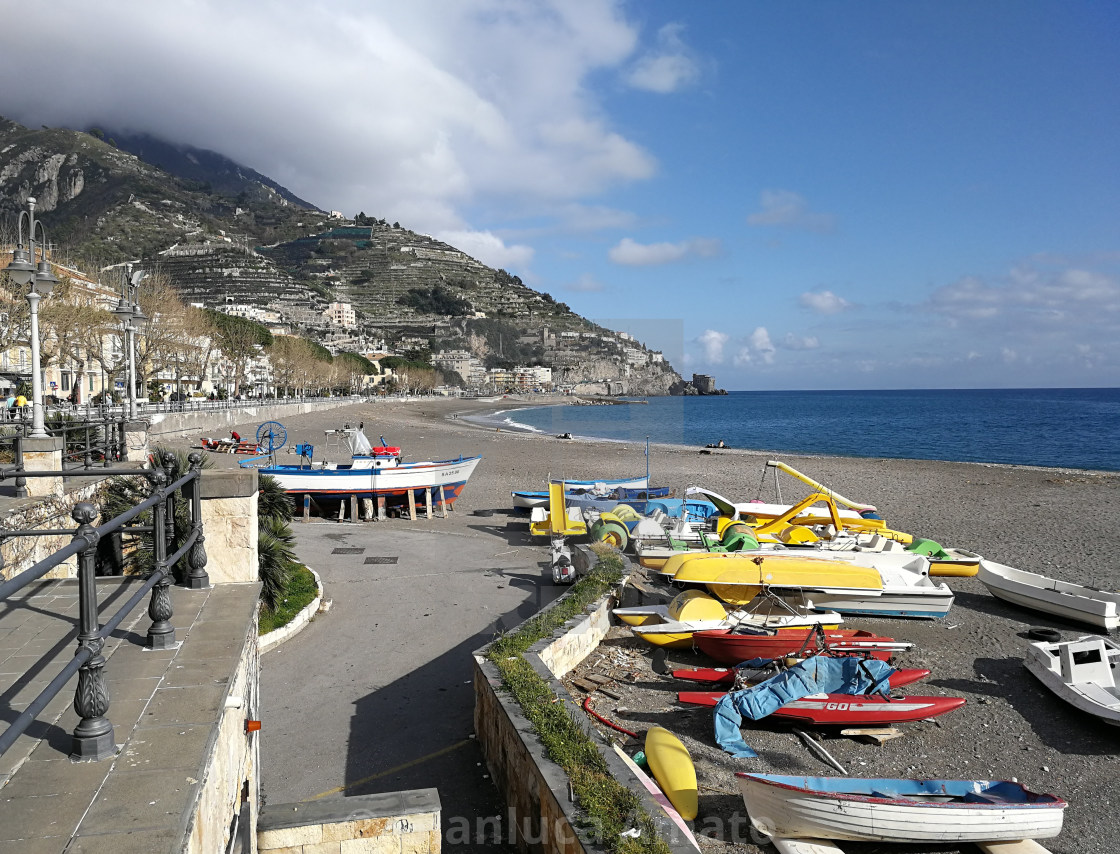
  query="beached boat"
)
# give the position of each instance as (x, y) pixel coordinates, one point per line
(662, 801)
(852, 710)
(1064, 599)
(742, 644)
(898, 679)
(897, 810)
(850, 583)
(526, 499)
(372, 472)
(1082, 672)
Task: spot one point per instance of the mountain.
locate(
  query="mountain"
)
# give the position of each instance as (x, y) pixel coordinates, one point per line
(222, 233)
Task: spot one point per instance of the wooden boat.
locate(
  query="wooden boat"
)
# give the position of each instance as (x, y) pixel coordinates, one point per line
(895, 810)
(898, 679)
(673, 770)
(1064, 599)
(1082, 672)
(373, 472)
(528, 498)
(742, 644)
(658, 795)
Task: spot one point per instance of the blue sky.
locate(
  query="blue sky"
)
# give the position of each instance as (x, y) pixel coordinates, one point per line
(785, 195)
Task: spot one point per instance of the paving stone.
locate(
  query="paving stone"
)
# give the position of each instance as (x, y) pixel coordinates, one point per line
(144, 800)
(138, 842)
(201, 672)
(55, 777)
(164, 747)
(131, 688)
(196, 704)
(40, 845)
(47, 815)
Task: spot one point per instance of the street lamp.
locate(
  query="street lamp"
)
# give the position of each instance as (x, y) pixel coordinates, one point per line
(22, 270)
(132, 318)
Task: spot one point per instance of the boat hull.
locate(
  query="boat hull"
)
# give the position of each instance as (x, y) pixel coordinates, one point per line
(392, 483)
(800, 812)
(898, 679)
(1088, 683)
(732, 648)
(848, 710)
(526, 499)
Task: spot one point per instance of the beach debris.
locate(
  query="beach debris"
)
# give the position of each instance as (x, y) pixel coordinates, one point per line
(873, 735)
(818, 750)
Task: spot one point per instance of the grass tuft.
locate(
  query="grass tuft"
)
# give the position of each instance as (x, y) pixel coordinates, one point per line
(299, 593)
(611, 808)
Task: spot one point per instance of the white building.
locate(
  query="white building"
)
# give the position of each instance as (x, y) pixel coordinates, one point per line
(341, 314)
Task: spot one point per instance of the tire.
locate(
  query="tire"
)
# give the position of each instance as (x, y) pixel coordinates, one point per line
(1044, 634)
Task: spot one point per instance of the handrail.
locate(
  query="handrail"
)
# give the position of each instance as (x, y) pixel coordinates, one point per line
(93, 736)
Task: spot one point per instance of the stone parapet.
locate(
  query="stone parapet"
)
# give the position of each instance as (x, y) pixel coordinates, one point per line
(405, 822)
(229, 523)
(43, 455)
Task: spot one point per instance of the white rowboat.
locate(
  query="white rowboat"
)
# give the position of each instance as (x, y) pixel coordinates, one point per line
(1061, 598)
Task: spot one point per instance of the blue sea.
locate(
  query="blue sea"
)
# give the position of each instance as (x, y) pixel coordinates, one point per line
(1066, 428)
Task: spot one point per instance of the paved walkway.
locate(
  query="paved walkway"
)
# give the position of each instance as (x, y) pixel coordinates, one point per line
(376, 695)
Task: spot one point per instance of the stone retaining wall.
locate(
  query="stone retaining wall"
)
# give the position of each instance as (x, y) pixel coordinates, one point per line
(537, 790)
(221, 421)
(387, 823)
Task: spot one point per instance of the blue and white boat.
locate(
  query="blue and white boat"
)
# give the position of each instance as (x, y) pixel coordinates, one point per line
(616, 490)
(898, 810)
(372, 472)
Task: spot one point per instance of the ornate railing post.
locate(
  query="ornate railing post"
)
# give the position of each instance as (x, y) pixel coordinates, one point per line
(161, 634)
(121, 440)
(87, 456)
(21, 482)
(197, 578)
(93, 736)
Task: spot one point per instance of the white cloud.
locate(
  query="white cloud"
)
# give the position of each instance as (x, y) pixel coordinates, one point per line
(410, 111)
(586, 283)
(757, 348)
(823, 302)
(713, 343)
(633, 254)
(670, 67)
(787, 209)
(488, 248)
(796, 342)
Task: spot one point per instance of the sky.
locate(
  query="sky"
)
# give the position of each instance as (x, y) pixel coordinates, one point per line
(796, 195)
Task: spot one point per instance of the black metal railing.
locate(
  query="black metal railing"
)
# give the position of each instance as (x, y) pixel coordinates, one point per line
(93, 736)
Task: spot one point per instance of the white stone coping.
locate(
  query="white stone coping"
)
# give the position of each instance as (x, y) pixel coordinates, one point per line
(298, 623)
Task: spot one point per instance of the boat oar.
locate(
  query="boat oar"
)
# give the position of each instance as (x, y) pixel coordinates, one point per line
(818, 750)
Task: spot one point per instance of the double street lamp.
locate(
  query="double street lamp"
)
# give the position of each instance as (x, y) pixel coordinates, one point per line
(132, 318)
(23, 270)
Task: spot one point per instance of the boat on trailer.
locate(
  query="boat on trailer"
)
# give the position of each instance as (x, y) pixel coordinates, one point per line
(898, 810)
(1077, 602)
(1082, 672)
(373, 472)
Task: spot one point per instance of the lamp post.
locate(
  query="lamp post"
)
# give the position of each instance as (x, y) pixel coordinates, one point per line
(22, 270)
(132, 318)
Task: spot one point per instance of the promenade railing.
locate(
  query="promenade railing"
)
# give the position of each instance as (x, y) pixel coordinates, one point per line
(93, 736)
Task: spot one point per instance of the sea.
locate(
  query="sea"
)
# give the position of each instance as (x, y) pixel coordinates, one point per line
(1062, 428)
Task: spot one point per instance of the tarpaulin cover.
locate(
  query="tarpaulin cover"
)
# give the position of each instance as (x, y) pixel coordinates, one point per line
(817, 675)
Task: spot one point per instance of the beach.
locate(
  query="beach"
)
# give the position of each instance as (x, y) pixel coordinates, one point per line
(1062, 523)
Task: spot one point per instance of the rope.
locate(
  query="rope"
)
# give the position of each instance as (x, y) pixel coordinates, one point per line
(587, 708)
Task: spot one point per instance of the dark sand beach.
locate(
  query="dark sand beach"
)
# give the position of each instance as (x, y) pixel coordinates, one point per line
(1062, 523)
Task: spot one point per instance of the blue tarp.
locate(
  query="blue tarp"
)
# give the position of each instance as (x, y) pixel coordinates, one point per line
(819, 674)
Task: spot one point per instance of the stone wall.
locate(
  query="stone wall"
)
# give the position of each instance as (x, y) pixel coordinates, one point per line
(231, 785)
(220, 421)
(387, 823)
(229, 524)
(536, 790)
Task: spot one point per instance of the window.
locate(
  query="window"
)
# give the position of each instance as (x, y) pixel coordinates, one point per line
(66, 382)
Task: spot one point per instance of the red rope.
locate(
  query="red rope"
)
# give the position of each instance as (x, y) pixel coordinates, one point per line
(587, 708)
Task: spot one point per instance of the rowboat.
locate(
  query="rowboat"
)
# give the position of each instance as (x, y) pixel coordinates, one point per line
(529, 498)
(742, 644)
(1082, 672)
(673, 770)
(898, 679)
(896, 810)
(372, 472)
(1064, 599)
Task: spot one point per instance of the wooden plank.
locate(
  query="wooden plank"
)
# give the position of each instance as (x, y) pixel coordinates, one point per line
(306, 507)
(584, 685)
(353, 508)
(381, 508)
(805, 846)
(598, 678)
(1021, 846)
(412, 505)
(342, 510)
(879, 736)
(614, 695)
(442, 501)
(428, 503)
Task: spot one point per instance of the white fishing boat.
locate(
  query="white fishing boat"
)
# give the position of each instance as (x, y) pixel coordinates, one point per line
(1076, 602)
(1082, 672)
(898, 810)
(371, 472)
